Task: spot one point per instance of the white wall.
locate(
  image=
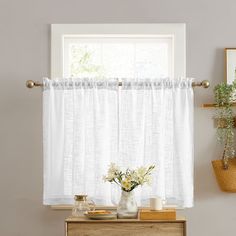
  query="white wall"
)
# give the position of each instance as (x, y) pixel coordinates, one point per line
(24, 54)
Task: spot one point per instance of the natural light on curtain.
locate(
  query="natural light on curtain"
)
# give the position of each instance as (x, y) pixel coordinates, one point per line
(89, 123)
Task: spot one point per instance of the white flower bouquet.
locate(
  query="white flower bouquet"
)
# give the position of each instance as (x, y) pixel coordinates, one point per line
(129, 179)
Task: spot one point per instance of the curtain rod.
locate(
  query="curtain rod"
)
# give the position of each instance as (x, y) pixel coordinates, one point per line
(32, 84)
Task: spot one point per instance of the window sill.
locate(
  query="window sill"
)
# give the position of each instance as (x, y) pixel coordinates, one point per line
(69, 207)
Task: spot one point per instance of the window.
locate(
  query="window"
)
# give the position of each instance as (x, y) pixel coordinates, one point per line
(104, 56)
(116, 51)
(141, 50)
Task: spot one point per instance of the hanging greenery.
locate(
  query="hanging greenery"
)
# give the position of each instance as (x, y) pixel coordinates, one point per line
(224, 96)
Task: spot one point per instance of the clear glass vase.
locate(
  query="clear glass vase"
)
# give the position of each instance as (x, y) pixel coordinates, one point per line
(127, 207)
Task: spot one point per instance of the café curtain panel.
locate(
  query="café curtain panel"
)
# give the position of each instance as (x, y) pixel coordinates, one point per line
(89, 123)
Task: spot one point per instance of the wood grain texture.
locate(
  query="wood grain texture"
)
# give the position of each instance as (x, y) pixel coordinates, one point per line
(167, 214)
(86, 220)
(209, 105)
(126, 229)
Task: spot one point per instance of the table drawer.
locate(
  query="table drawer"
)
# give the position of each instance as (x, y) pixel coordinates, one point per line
(125, 229)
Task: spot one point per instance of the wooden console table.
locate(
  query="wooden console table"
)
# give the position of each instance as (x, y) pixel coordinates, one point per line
(118, 227)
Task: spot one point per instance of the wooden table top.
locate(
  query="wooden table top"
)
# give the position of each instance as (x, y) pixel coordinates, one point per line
(86, 220)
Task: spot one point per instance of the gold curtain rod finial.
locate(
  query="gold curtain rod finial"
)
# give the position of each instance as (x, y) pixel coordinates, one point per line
(32, 84)
(29, 83)
(205, 84)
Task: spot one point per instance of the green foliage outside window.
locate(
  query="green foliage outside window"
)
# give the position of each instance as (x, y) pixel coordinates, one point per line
(82, 64)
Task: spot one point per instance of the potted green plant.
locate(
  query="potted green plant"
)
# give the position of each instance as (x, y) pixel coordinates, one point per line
(225, 169)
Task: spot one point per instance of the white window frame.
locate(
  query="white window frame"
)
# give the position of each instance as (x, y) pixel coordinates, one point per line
(177, 31)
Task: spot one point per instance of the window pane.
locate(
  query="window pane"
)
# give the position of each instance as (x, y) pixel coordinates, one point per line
(118, 57)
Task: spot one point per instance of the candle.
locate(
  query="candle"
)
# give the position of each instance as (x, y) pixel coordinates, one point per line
(155, 203)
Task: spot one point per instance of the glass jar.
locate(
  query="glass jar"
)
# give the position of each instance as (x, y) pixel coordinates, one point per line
(82, 206)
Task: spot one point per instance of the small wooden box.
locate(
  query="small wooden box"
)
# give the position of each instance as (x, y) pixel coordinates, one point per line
(165, 214)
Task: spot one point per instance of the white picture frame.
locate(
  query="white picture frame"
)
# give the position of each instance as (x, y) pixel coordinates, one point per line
(230, 65)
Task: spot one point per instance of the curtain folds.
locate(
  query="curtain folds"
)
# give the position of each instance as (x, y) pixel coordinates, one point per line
(88, 123)
(156, 127)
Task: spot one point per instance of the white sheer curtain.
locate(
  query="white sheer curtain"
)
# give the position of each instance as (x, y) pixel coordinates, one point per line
(80, 120)
(89, 123)
(156, 127)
